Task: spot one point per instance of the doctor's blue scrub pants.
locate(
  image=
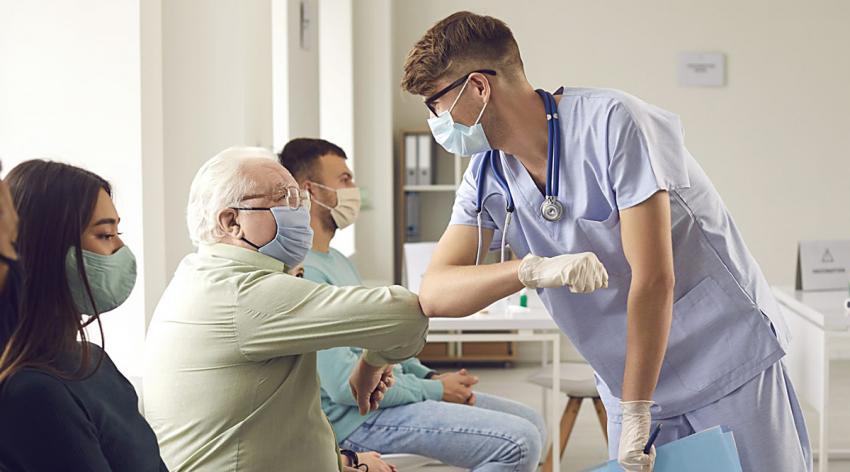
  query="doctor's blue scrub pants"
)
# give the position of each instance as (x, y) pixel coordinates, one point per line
(762, 413)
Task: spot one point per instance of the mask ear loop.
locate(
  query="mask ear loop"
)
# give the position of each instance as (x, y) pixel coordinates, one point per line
(458, 95)
(480, 114)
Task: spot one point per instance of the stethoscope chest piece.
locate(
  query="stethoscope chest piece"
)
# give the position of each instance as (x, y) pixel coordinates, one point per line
(552, 209)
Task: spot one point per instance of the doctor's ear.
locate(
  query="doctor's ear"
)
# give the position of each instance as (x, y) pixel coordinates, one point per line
(480, 85)
(228, 223)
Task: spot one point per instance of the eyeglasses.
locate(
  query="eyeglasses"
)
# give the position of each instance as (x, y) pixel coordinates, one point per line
(429, 102)
(293, 197)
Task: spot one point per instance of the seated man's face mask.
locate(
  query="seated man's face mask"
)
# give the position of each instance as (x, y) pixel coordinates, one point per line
(294, 236)
(347, 204)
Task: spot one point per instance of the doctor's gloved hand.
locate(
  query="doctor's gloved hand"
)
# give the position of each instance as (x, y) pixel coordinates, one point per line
(582, 273)
(634, 435)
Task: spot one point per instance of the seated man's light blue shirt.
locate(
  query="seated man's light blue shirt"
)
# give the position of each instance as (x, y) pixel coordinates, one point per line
(335, 365)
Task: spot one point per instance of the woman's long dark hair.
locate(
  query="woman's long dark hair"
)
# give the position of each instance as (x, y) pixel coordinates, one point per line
(55, 203)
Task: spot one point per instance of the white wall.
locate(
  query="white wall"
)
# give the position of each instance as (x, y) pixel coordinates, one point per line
(336, 92)
(374, 85)
(775, 140)
(217, 91)
(70, 90)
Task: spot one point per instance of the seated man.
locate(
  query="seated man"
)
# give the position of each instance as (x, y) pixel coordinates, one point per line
(230, 366)
(433, 415)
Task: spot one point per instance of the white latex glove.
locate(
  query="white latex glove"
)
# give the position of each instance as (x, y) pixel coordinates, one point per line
(634, 435)
(582, 273)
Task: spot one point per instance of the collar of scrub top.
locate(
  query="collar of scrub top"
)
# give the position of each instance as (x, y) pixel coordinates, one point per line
(552, 209)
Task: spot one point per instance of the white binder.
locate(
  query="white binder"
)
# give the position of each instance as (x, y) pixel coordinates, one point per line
(425, 154)
(411, 167)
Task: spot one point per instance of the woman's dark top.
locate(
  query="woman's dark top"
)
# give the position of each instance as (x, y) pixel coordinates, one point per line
(94, 424)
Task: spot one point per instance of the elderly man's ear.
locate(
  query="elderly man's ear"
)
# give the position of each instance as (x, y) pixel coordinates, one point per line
(228, 223)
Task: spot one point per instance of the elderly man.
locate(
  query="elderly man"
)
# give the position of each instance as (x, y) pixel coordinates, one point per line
(230, 360)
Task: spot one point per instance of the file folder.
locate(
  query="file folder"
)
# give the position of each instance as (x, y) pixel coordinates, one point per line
(425, 155)
(712, 450)
(411, 165)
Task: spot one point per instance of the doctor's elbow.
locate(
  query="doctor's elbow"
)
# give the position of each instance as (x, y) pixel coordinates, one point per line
(663, 281)
(433, 300)
(430, 305)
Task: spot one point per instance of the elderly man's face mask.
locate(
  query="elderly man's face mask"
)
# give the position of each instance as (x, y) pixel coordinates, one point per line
(291, 212)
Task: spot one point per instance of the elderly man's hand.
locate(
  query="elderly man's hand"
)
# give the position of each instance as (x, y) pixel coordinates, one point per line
(369, 383)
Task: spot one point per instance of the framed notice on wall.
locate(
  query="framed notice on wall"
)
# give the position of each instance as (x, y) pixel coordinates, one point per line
(823, 265)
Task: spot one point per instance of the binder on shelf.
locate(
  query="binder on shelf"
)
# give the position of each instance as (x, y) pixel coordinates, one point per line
(412, 216)
(411, 166)
(425, 154)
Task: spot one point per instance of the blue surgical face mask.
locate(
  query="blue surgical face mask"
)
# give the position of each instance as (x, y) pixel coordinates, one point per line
(294, 235)
(457, 138)
(111, 279)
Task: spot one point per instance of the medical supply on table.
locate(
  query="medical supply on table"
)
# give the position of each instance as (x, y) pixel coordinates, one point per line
(523, 298)
(712, 450)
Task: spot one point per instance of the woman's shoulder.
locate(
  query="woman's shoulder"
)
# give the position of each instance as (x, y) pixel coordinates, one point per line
(33, 387)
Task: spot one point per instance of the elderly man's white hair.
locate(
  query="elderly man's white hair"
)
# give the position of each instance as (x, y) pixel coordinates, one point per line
(219, 184)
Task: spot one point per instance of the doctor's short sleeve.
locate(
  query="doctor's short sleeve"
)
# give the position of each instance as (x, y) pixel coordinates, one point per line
(463, 211)
(646, 152)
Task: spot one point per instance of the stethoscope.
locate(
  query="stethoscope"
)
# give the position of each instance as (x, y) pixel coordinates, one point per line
(551, 209)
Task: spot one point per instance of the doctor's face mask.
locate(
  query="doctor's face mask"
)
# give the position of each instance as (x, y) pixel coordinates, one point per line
(454, 137)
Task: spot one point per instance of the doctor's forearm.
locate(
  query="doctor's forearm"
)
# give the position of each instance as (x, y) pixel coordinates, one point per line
(455, 291)
(650, 313)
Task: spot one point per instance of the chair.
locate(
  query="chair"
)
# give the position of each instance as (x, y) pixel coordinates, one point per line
(577, 382)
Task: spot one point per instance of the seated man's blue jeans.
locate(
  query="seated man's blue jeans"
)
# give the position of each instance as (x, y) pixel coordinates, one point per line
(495, 435)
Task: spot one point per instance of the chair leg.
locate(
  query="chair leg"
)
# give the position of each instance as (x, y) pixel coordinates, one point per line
(568, 420)
(603, 417)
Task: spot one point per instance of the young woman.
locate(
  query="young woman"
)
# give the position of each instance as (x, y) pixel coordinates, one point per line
(63, 403)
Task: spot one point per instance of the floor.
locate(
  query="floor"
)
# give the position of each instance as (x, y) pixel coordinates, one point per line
(587, 446)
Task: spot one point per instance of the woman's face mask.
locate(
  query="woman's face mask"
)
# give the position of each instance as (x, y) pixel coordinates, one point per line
(111, 279)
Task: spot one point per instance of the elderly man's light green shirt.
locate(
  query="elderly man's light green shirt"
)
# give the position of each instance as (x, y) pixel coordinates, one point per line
(230, 380)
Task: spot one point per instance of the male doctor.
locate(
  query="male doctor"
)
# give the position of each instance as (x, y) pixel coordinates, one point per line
(686, 333)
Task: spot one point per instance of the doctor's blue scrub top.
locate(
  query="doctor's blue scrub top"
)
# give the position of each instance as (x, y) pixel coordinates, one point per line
(618, 151)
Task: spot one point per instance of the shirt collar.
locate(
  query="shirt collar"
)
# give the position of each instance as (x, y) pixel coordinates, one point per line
(245, 256)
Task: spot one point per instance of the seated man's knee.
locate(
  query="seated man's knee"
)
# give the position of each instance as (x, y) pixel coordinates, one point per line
(523, 445)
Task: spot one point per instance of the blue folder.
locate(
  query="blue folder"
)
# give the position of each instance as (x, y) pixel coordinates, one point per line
(712, 450)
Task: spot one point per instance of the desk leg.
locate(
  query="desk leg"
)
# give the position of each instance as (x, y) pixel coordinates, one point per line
(553, 410)
(544, 359)
(823, 447)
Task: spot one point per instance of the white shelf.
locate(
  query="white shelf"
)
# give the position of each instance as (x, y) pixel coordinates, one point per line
(430, 188)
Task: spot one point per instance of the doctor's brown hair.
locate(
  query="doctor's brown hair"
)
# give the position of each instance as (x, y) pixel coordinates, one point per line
(457, 45)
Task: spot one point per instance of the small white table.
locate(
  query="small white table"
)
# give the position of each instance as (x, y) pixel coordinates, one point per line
(819, 327)
(533, 324)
